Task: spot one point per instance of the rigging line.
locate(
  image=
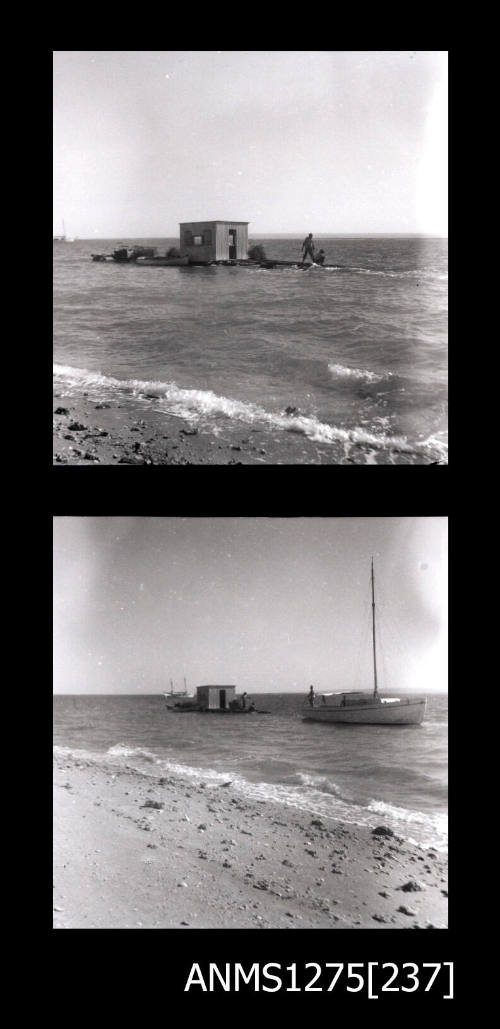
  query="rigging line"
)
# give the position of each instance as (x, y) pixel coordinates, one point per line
(383, 621)
(364, 640)
(383, 661)
(390, 633)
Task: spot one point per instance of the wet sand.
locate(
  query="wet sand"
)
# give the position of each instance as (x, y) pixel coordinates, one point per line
(139, 851)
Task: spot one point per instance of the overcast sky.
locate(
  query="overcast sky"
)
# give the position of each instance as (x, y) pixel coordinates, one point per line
(267, 604)
(289, 140)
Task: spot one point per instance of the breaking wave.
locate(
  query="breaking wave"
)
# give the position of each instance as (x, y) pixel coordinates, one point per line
(120, 750)
(196, 405)
(410, 822)
(316, 795)
(341, 372)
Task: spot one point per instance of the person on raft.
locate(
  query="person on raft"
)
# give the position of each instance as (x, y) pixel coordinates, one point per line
(308, 248)
(320, 257)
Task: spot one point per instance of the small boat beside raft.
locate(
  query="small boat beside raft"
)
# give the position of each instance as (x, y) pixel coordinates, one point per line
(125, 255)
(141, 256)
(358, 707)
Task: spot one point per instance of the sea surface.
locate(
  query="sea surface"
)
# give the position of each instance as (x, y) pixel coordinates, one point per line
(361, 774)
(358, 351)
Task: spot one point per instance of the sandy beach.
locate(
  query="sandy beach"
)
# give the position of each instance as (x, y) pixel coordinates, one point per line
(136, 851)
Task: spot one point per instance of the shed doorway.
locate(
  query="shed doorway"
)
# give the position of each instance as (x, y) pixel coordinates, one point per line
(222, 699)
(232, 244)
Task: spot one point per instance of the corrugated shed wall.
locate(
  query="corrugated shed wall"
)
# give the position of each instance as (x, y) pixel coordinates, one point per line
(242, 240)
(222, 245)
(209, 696)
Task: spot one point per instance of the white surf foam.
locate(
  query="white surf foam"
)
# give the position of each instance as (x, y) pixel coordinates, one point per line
(343, 372)
(196, 404)
(120, 750)
(312, 794)
(434, 825)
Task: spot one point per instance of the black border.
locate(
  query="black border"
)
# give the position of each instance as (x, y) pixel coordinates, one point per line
(251, 490)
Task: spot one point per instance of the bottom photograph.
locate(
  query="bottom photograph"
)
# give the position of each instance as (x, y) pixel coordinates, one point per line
(250, 723)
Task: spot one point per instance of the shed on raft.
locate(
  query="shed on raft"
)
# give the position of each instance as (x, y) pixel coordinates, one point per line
(215, 698)
(204, 242)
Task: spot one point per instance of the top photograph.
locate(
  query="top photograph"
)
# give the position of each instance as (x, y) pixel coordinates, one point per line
(250, 257)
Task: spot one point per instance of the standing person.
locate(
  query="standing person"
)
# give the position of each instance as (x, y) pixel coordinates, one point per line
(308, 248)
(310, 696)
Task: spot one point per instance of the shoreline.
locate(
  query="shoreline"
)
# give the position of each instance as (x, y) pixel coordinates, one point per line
(136, 851)
(87, 431)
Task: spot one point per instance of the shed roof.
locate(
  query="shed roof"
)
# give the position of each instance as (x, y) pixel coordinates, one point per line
(216, 221)
(217, 686)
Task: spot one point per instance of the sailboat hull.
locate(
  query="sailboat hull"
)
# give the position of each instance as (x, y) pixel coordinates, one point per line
(398, 712)
(178, 698)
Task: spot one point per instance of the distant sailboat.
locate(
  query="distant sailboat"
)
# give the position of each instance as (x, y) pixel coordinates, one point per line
(172, 698)
(64, 238)
(357, 707)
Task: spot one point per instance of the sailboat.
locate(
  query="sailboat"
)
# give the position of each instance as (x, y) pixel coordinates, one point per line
(173, 698)
(64, 238)
(358, 707)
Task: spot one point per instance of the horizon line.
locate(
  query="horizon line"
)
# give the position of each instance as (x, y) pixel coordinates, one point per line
(162, 693)
(271, 235)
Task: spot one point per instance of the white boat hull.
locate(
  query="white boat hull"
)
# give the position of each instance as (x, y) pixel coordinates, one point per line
(172, 700)
(401, 712)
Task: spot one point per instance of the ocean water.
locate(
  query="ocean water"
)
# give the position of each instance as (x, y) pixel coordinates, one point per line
(365, 775)
(360, 350)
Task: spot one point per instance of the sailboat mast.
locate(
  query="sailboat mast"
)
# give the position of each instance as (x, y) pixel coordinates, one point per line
(375, 687)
